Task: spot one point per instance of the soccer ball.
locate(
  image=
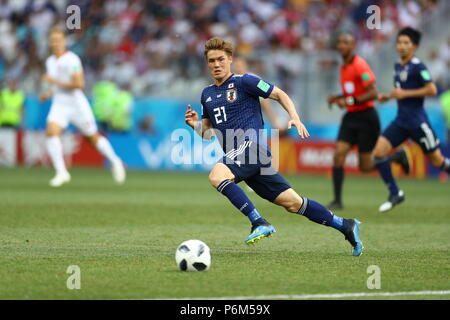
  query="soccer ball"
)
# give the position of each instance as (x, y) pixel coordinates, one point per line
(193, 255)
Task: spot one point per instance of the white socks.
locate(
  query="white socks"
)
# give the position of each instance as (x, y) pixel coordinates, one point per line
(54, 149)
(105, 148)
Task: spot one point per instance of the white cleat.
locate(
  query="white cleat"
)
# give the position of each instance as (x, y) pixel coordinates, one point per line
(392, 201)
(60, 179)
(386, 206)
(118, 171)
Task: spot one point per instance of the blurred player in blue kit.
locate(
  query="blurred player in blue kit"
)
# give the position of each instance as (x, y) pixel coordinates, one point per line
(231, 111)
(360, 124)
(413, 83)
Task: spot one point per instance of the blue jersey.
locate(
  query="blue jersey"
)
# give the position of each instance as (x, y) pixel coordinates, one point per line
(413, 75)
(235, 111)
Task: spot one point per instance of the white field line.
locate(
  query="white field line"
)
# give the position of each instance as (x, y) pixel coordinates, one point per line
(323, 296)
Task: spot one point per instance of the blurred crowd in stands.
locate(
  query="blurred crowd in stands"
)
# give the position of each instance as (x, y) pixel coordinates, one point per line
(146, 46)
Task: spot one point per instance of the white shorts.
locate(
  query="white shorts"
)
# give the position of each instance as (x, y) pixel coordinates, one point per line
(77, 112)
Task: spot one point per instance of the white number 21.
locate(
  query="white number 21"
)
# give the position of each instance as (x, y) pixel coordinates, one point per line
(220, 114)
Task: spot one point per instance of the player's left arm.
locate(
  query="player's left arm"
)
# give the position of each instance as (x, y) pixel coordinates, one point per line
(266, 106)
(370, 94)
(286, 102)
(259, 88)
(76, 75)
(427, 89)
(368, 80)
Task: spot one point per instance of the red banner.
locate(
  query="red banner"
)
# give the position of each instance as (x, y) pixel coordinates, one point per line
(28, 148)
(317, 157)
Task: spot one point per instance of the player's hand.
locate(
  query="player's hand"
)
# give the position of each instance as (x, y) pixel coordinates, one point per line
(398, 94)
(332, 99)
(383, 97)
(341, 102)
(300, 128)
(46, 77)
(191, 117)
(43, 97)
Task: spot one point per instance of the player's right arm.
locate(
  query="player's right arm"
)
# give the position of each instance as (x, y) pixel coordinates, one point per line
(339, 100)
(76, 75)
(47, 94)
(333, 98)
(201, 127)
(77, 81)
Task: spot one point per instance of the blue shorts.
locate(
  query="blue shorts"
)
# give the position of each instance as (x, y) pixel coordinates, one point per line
(259, 175)
(423, 135)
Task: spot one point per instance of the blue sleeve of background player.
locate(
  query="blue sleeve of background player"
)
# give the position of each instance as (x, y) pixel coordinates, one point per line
(205, 114)
(255, 86)
(424, 74)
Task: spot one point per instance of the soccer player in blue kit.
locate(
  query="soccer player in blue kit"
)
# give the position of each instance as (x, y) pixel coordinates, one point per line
(232, 112)
(412, 84)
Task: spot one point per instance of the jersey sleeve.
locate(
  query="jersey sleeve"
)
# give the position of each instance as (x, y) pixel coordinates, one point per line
(365, 74)
(205, 114)
(75, 65)
(256, 86)
(424, 75)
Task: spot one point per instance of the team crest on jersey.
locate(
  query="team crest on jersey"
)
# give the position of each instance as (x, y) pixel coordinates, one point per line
(231, 95)
(404, 75)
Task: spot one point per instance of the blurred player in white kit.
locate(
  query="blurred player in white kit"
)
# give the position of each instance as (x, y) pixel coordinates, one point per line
(64, 73)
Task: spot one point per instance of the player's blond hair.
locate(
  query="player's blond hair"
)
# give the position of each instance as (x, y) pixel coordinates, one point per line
(57, 29)
(217, 43)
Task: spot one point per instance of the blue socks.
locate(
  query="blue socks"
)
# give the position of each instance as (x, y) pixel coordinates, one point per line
(254, 216)
(311, 209)
(384, 167)
(240, 200)
(317, 213)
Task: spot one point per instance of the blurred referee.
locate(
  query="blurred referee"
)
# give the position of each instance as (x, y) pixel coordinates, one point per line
(360, 125)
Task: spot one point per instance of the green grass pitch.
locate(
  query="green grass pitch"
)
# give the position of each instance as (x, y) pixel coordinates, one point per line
(123, 238)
